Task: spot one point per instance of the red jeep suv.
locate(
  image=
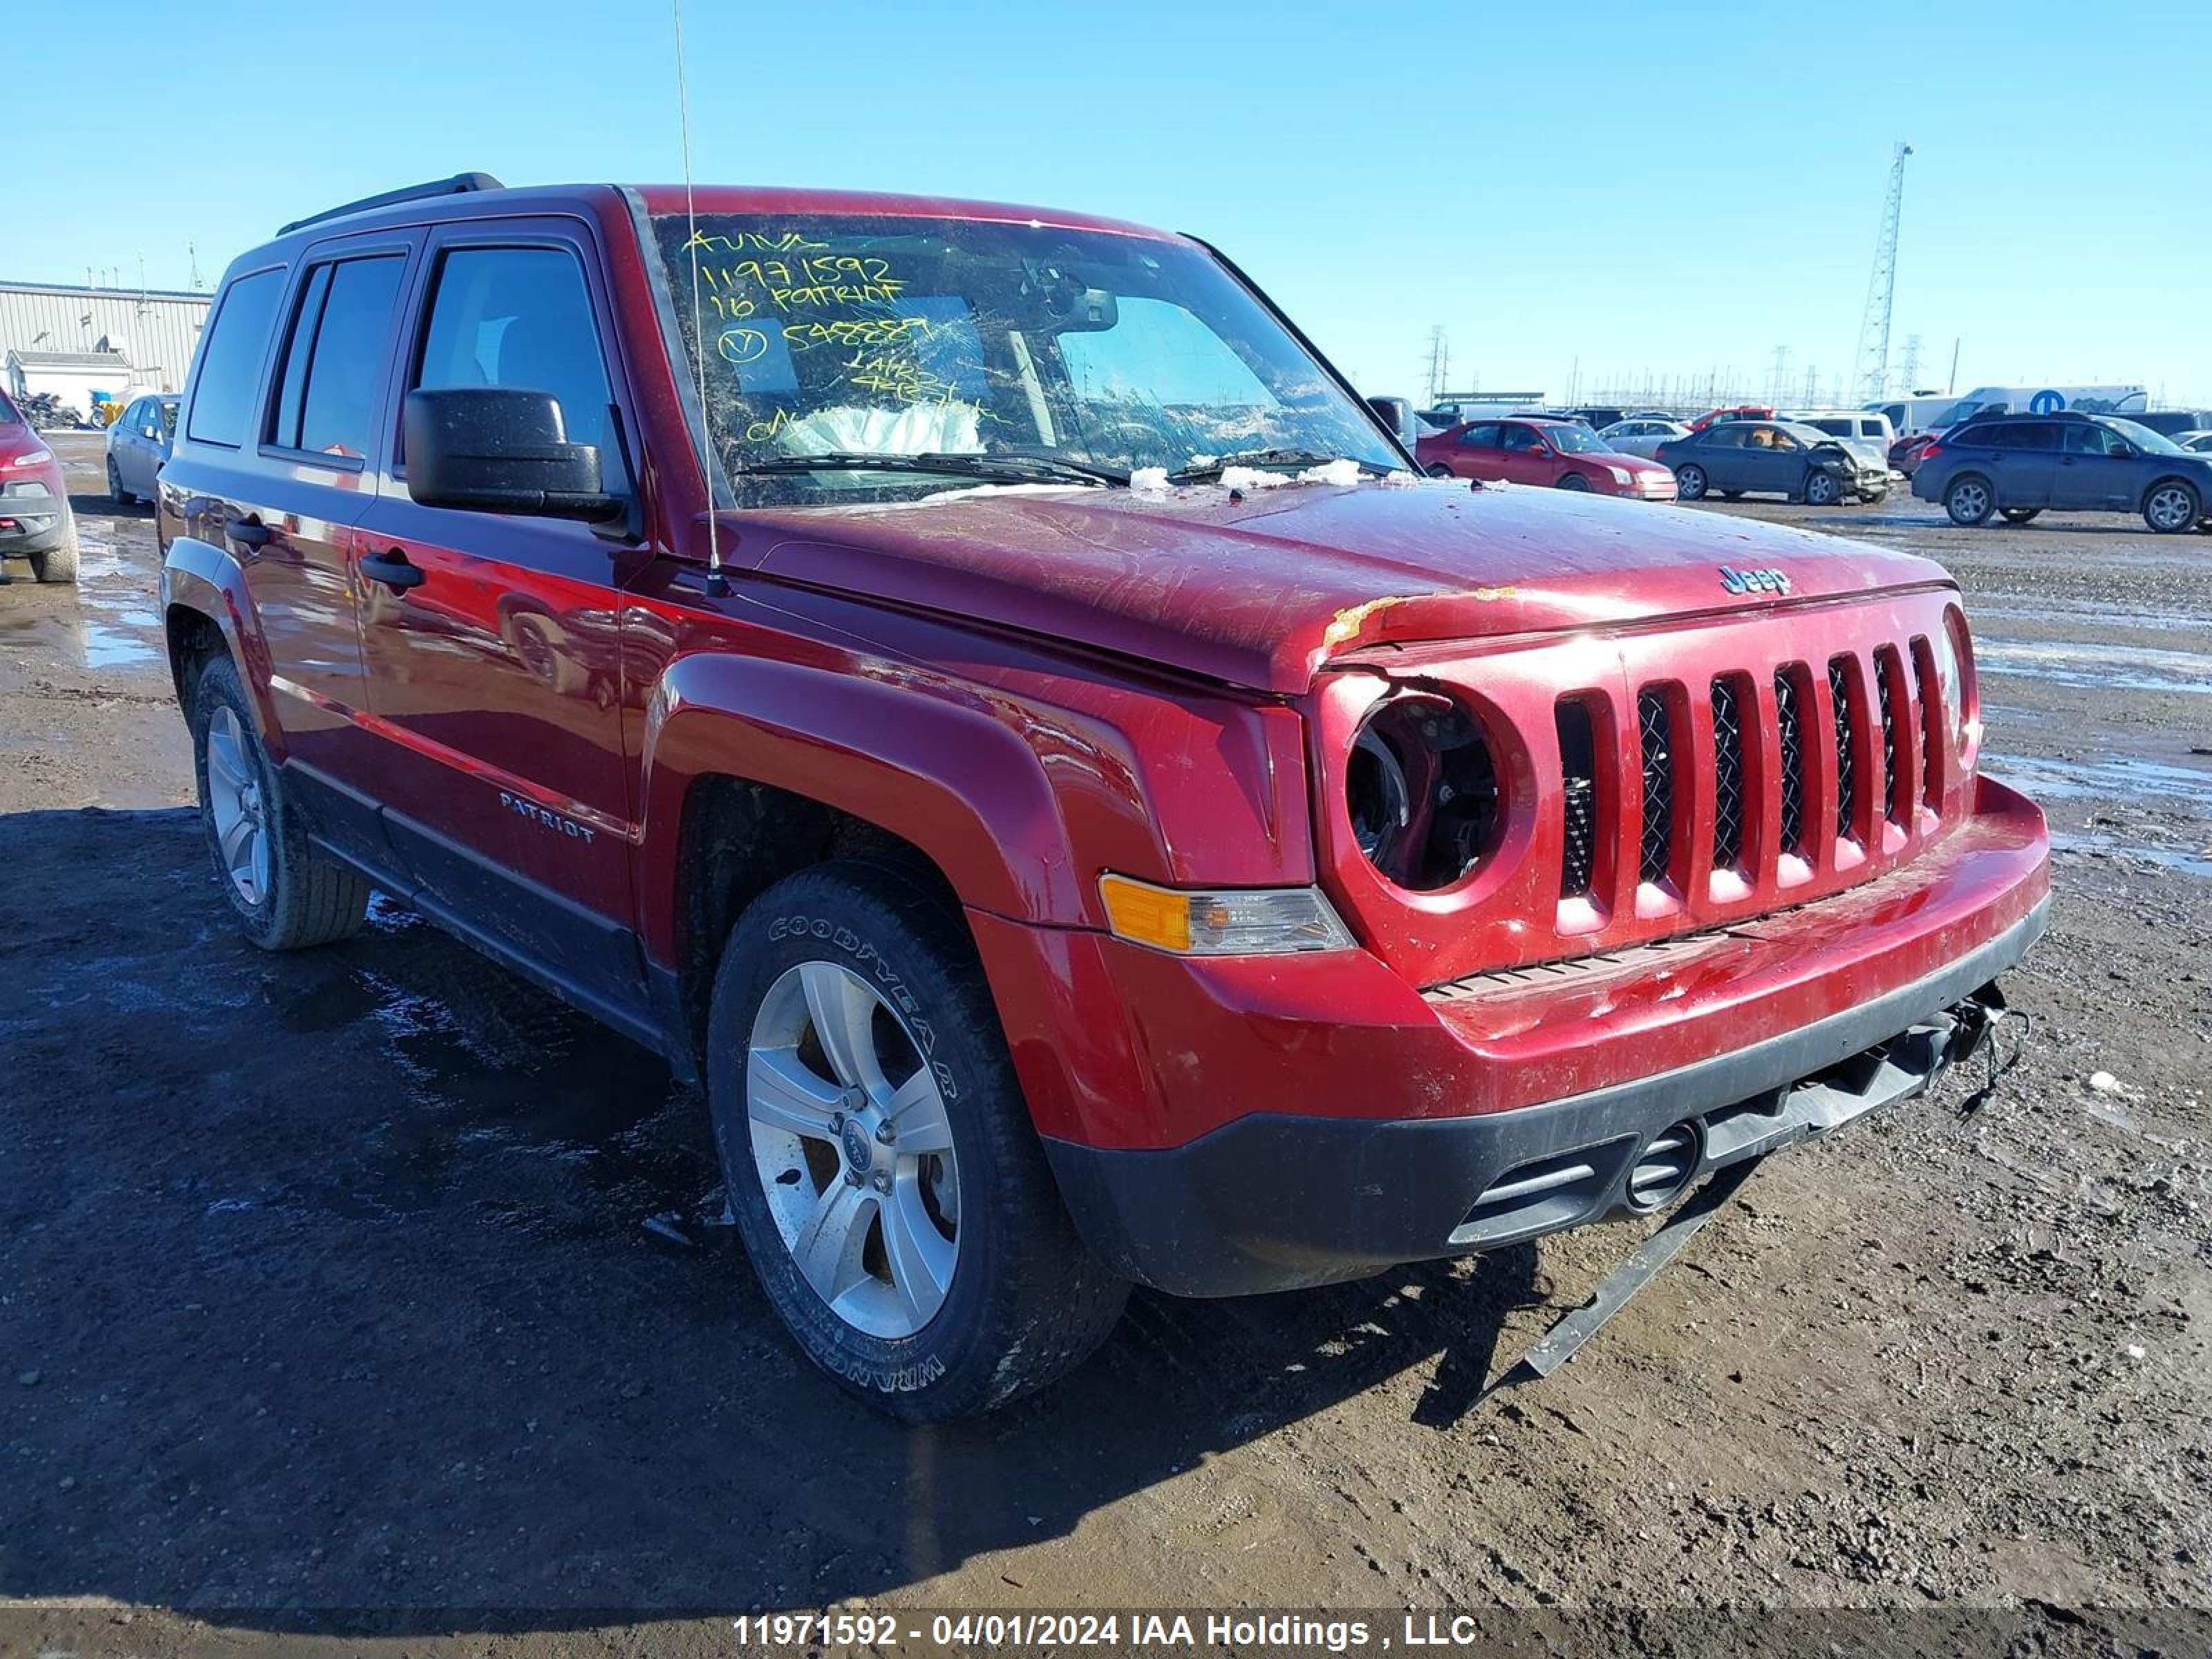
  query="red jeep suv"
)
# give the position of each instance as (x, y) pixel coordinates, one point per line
(973, 687)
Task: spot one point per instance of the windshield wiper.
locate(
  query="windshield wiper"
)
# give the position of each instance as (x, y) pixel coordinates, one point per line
(1198, 472)
(1009, 469)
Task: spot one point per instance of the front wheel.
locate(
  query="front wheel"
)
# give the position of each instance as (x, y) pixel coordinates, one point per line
(1690, 482)
(2171, 506)
(878, 1154)
(1438, 469)
(287, 895)
(2019, 514)
(58, 563)
(1969, 501)
(1574, 480)
(1821, 490)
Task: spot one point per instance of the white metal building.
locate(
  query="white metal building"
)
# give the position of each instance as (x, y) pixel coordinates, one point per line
(151, 332)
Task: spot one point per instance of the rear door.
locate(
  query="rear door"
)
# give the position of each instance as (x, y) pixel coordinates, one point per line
(1476, 453)
(1721, 451)
(492, 641)
(2025, 460)
(283, 523)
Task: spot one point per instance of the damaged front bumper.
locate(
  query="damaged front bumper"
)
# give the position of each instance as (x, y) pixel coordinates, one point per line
(1276, 1202)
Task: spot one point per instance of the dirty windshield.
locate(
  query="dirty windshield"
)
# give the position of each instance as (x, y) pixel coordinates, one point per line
(966, 352)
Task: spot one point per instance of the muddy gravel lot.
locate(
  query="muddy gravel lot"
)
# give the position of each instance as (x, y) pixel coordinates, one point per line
(368, 1292)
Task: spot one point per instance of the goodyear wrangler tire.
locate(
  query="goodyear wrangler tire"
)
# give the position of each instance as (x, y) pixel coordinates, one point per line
(878, 1154)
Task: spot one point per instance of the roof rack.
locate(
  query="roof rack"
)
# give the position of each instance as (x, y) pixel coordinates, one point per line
(460, 184)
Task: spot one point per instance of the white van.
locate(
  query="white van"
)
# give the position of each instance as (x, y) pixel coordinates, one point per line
(1914, 414)
(2046, 400)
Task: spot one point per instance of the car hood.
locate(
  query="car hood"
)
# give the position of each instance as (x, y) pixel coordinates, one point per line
(1260, 589)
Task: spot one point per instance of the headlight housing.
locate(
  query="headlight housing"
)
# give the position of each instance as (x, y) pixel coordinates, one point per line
(1422, 791)
(1237, 921)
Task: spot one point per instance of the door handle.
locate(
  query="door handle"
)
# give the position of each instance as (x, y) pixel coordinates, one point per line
(392, 569)
(248, 531)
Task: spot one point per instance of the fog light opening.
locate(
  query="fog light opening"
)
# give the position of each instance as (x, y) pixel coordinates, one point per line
(1662, 1169)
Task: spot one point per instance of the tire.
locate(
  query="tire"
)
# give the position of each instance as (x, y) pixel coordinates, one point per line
(2171, 507)
(991, 1295)
(1874, 497)
(1821, 488)
(115, 491)
(287, 895)
(1574, 480)
(1438, 469)
(1690, 482)
(57, 564)
(1970, 500)
(2019, 514)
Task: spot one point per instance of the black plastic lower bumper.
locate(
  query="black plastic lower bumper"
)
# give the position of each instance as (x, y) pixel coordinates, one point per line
(1277, 1201)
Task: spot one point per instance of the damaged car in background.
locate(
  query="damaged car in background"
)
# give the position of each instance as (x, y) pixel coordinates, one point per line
(1001, 712)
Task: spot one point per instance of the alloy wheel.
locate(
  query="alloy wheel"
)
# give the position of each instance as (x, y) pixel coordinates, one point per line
(852, 1146)
(234, 797)
(2169, 507)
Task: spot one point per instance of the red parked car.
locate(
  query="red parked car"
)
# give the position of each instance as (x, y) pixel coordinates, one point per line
(1565, 454)
(972, 688)
(35, 521)
(1739, 412)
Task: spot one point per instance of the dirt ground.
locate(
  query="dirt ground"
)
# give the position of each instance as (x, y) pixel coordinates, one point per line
(328, 1303)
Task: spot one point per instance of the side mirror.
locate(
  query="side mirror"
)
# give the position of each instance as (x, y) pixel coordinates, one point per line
(499, 449)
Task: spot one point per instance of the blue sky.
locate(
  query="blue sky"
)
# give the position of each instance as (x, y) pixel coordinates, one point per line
(1665, 190)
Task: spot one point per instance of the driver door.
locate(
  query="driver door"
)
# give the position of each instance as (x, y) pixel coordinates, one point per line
(492, 642)
(1528, 459)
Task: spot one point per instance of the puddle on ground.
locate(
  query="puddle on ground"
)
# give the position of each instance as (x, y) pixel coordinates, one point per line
(2123, 775)
(2033, 607)
(2114, 667)
(2178, 860)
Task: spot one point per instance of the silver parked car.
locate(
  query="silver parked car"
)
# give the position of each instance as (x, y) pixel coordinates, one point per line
(1641, 435)
(138, 446)
(2199, 441)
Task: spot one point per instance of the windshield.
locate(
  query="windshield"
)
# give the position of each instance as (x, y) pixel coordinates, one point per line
(1576, 441)
(2143, 438)
(945, 338)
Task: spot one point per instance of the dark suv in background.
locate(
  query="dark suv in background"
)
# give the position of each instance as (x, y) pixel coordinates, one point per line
(2016, 466)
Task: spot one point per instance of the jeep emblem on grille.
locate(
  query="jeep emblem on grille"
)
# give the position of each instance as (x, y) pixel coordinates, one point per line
(1754, 581)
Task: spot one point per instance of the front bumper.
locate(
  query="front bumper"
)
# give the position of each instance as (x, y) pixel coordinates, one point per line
(1276, 1202)
(31, 522)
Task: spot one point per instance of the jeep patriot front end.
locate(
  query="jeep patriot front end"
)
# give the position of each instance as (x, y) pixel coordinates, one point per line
(974, 687)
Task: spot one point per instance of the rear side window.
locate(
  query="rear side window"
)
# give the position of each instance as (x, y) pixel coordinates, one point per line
(334, 361)
(518, 317)
(1480, 437)
(1730, 435)
(230, 362)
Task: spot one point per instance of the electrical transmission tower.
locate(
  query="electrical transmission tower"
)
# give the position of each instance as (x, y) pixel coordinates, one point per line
(1882, 287)
(1439, 362)
(1908, 368)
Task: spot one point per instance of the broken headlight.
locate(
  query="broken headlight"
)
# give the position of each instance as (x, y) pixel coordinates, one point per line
(1422, 791)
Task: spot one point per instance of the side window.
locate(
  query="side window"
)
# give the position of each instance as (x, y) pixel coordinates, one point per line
(230, 360)
(2085, 440)
(1780, 438)
(1484, 436)
(346, 372)
(1729, 436)
(2033, 435)
(518, 317)
(292, 378)
(1521, 439)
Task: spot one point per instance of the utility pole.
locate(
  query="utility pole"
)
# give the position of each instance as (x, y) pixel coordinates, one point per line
(1778, 387)
(1882, 287)
(1952, 384)
(1812, 387)
(192, 253)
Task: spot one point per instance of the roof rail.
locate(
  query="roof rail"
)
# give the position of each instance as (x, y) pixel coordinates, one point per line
(460, 184)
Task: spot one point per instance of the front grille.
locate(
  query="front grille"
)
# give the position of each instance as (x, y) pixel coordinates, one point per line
(1884, 697)
(1793, 760)
(1578, 782)
(1656, 732)
(1847, 792)
(1728, 778)
(1932, 712)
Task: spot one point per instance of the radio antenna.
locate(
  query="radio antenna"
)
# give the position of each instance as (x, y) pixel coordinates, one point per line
(718, 585)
